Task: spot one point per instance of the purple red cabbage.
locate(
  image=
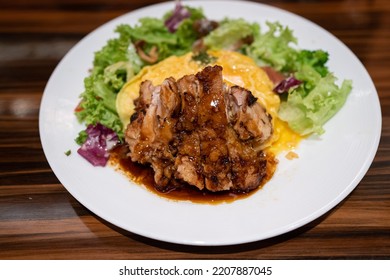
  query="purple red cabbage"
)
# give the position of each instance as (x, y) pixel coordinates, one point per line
(100, 140)
(179, 14)
(287, 84)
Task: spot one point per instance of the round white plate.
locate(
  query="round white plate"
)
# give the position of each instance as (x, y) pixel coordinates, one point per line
(328, 169)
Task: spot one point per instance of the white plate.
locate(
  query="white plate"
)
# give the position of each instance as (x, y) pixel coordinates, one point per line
(328, 169)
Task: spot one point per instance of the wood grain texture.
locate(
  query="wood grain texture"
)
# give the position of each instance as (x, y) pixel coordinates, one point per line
(39, 219)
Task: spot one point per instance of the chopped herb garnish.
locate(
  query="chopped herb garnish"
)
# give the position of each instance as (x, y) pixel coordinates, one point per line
(83, 135)
(203, 58)
(68, 152)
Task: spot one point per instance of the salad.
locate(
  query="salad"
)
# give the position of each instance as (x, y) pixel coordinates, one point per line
(307, 88)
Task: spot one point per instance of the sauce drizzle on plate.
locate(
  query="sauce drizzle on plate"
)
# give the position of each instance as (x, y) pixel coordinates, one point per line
(143, 175)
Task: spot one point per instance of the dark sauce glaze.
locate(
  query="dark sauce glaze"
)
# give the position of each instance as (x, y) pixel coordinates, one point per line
(143, 175)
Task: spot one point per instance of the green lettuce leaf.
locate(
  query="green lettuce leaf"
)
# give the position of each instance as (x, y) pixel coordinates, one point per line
(274, 48)
(117, 49)
(113, 65)
(229, 32)
(98, 105)
(312, 104)
(117, 74)
(316, 59)
(154, 33)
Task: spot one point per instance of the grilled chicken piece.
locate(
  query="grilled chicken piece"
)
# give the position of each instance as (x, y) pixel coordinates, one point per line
(199, 131)
(151, 131)
(248, 165)
(249, 119)
(190, 91)
(145, 97)
(188, 159)
(212, 121)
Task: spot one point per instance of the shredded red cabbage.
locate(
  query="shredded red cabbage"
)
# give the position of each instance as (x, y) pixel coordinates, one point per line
(99, 142)
(287, 84)
(179, 14)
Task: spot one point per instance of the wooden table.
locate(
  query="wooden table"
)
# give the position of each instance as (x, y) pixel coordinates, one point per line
(39, 219)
